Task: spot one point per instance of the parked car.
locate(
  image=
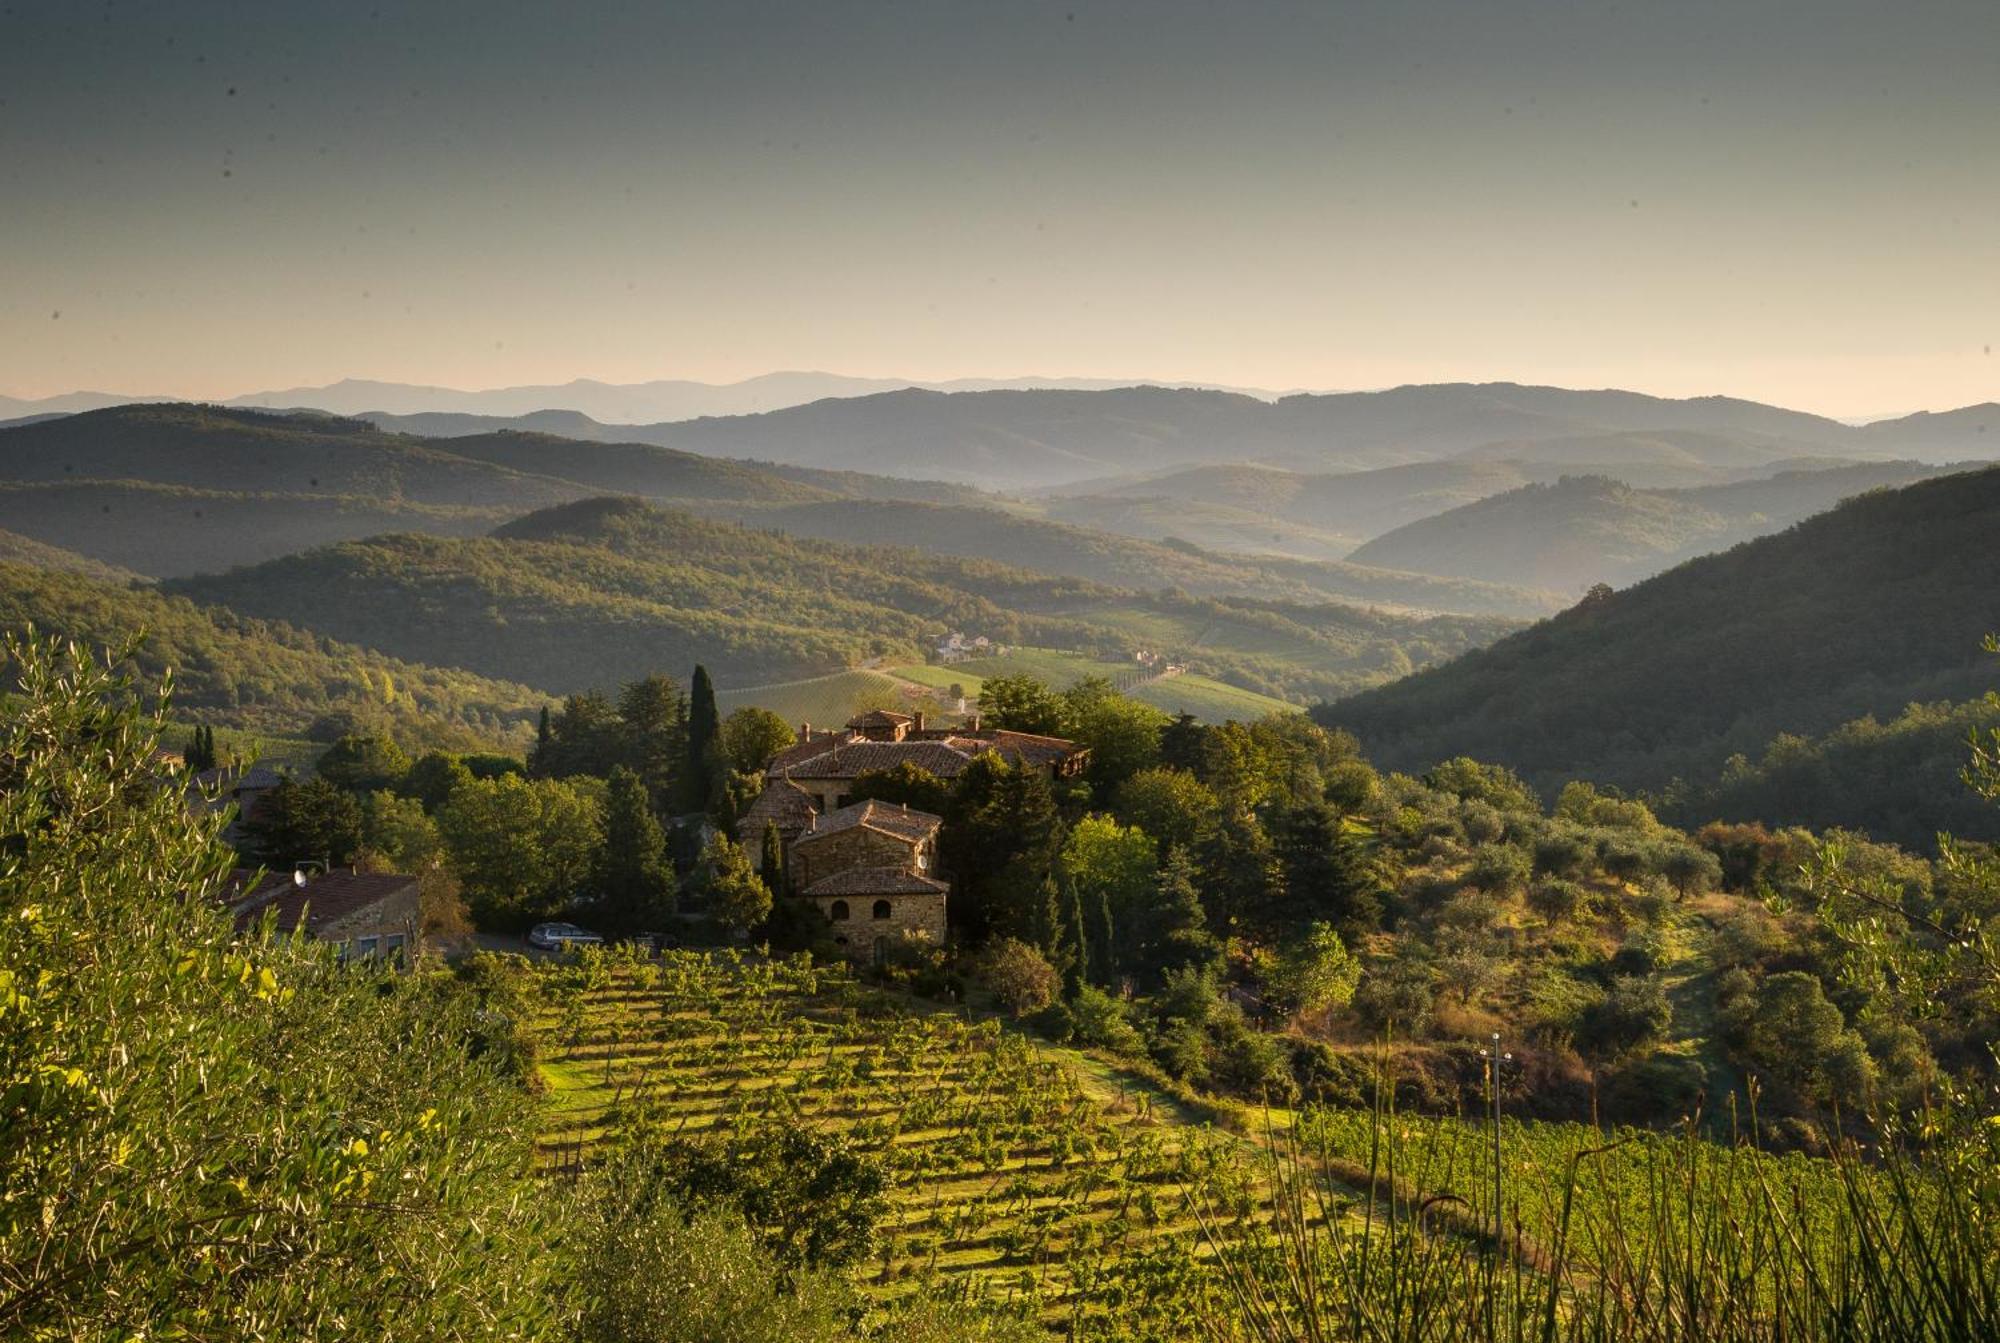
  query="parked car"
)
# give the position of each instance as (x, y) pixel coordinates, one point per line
(561, 937)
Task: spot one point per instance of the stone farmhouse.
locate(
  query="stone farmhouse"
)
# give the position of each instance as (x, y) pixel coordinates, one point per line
(869, 867)
(870, 870)
(364, 913)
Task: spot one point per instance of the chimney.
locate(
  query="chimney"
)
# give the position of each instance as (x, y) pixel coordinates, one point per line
(805, 731)
(918, 724)
(972, 723)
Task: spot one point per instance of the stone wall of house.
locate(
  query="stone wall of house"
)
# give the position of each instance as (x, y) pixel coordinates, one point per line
(856, 846)
(916, 915)
(398, 915)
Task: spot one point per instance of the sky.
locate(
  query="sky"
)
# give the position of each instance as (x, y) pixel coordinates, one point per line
(1794, 202)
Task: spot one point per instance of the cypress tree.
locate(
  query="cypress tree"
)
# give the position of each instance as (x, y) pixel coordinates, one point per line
(538, 759)
(1076, 935)
(773, 858)
(704, 744)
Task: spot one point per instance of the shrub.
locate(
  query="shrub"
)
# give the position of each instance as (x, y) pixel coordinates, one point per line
(1020, 977)
(1633, 1013)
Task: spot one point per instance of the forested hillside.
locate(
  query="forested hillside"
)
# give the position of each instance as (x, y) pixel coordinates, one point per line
(606, 590)
(267, 675)
(1588, 529)
(164, 531)
(212, 448)
(32, 554)
(1881, 602)
(1077, 552)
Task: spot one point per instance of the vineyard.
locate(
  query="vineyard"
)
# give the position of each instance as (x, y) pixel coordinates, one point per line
(1011, 1181)
(1610, 1186)
(1046, 1181)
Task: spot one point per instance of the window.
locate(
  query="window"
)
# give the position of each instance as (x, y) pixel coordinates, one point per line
(837, 911)
(881, 909)
(365, 946)
(392, 946)
(881, 951)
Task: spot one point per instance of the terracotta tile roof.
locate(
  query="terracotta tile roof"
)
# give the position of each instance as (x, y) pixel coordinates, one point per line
(783, 804)
(900, 822)
(866, 881)
(945, 754)
(880, 718)
(323, 899)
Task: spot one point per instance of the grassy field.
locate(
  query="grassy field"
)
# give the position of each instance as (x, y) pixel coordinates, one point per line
(1209, 700)
(1016, 1175)
(824, 700)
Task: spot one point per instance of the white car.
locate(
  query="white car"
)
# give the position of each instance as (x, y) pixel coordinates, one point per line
(561, 937)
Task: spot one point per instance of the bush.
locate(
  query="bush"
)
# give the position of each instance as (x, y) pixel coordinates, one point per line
(1632, 1014)
(1100, 1020)
(1654, 1086)
(1020, 977)
(1246, 1062)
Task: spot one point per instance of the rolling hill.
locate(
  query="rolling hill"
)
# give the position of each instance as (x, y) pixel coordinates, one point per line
(212, 448)
(168, 530)
(605, 590)
(171, 490)
(1879, 603)
(268, 676)
(1121, 561)
(1589, 529)
(28, 553)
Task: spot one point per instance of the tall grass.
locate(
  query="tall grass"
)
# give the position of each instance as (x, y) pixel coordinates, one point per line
(1708, 1243)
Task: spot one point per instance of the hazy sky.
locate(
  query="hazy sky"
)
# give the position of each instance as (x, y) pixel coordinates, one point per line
(1794, 202)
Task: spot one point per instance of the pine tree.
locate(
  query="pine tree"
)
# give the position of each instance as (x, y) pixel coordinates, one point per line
(652, 713)
(632, 868)
(1178, 937)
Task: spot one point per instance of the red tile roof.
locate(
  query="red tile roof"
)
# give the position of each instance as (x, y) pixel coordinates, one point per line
(945, 755)
(783, 804)
(323, 898)
(866, 881)
(900, 822)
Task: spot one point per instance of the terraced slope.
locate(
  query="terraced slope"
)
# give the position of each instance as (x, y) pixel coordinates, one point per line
(1011, 1177)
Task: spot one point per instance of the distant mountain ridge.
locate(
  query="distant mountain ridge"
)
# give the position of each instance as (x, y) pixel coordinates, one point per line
(607, 402)
(1027, 433)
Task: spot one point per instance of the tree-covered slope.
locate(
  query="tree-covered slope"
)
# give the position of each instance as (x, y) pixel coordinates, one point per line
(1589, 529)
(213, 448)
(606, 590)
(1864, 609)
(1123, 561)
(166, 531)
(29, 553)
(266, 675)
